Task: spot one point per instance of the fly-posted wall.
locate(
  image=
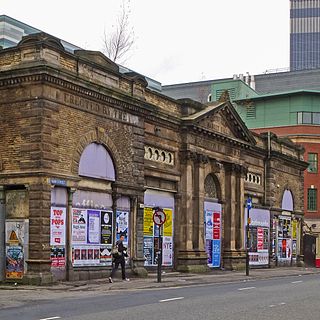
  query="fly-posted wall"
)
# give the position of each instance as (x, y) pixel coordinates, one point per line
(151, 231)
(96, 227)
(259, 236)
(212, 225)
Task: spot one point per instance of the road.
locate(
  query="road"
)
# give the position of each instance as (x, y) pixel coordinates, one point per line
(284, 298)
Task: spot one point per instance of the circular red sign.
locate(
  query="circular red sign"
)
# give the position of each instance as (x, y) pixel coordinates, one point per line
(159, 217)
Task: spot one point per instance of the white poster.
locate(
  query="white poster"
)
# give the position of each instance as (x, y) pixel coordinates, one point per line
(58, 226)
(93, 226)
(209, 225)
(79, 226)
(167, 251)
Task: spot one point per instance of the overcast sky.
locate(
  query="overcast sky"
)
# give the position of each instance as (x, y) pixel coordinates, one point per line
(176, 41)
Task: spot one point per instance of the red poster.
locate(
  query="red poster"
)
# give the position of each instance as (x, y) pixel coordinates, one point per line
(260, 238)
(216, 226)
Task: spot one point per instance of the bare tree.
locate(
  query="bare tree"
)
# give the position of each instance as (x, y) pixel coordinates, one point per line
(119, 41)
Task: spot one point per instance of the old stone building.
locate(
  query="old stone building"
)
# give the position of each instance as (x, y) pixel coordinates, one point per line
(87, 153)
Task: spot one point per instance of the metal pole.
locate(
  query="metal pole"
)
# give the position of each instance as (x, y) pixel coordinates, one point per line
(160, 254)
(247, 243)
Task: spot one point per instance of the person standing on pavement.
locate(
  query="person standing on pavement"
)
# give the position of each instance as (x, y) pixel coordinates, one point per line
(119, 258)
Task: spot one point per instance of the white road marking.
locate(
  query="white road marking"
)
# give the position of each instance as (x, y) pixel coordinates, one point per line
(272, 305)
(282, 304)
(52, 318)
(247, 288)
(172, 299)
(299, 281)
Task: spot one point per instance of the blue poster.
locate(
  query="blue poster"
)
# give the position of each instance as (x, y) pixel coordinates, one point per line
(209, 250)
(216, 253)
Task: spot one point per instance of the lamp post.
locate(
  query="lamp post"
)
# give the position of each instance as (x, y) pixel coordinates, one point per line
(248, 206)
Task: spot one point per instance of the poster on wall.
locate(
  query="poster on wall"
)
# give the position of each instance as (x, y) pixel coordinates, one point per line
(57, 255)
(148, 250)
(151, 238)
(86, 255)
(105, 256)
(284, 238)
(167, 247)
(79, 226)
(259, 239)
(147, 221)
(15, 241)
(93, 226)
(14, 262)
(123, 225)
(168, 224)
(57, 226)
(106, 227)
(213, 237)
(209, 224)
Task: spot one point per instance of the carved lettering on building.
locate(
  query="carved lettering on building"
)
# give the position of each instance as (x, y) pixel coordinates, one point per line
(98, 108)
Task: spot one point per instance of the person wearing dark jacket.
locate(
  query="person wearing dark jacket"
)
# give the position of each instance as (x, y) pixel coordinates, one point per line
(119, 259)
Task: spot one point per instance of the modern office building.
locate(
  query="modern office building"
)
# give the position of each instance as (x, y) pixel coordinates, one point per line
(304, 34)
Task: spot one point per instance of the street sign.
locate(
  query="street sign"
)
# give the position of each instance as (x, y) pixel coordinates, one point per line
(249, 203)
(159, 217)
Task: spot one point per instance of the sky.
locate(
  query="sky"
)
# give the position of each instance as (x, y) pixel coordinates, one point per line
(175, 41)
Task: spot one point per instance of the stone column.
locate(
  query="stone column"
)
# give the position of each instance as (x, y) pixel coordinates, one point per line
(2, 233)
(242, 171)
(137, 220)
(39, 262)
(190, 256)
(198, 224)
(233, 257)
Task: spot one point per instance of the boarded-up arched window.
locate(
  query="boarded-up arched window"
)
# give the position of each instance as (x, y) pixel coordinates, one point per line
(287, 201)
(96, 162)
(210, 188)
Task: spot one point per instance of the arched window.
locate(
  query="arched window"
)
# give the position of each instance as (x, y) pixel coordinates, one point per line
(210, 188)
(287, 201)
(96, 162)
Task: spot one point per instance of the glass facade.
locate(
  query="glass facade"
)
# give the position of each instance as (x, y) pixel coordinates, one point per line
(304, 34)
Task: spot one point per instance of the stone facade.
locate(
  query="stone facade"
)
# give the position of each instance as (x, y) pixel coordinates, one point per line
(54, 104)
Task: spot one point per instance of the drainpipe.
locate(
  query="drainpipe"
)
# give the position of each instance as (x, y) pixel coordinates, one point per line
(69, 268)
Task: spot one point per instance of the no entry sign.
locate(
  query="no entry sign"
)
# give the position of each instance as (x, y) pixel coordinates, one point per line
(159, 217)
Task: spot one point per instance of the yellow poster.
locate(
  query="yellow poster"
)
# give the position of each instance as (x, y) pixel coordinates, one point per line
(167, 227)
(148, 222)
(294, 229)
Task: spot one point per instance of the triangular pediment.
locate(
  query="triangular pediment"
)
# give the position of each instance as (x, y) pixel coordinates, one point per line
(98, 58)
(221, 119)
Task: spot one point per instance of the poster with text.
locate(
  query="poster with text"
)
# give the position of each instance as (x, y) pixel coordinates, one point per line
(216, 253)
(106, 227)
(86, 255)
(148, 250)
(216, 226)
(79, 226)
(14, 262)
(93, 226)
(167, 251)
(209, 250)
(58, 259)
(57, 226)
(148, 221)
(123, 225)
(105, 256)
(168, 225)
(209, 224)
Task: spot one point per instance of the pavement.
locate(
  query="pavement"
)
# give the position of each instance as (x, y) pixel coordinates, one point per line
(168, 279)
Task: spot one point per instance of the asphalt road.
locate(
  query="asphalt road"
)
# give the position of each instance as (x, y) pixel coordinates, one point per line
(284, 298)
